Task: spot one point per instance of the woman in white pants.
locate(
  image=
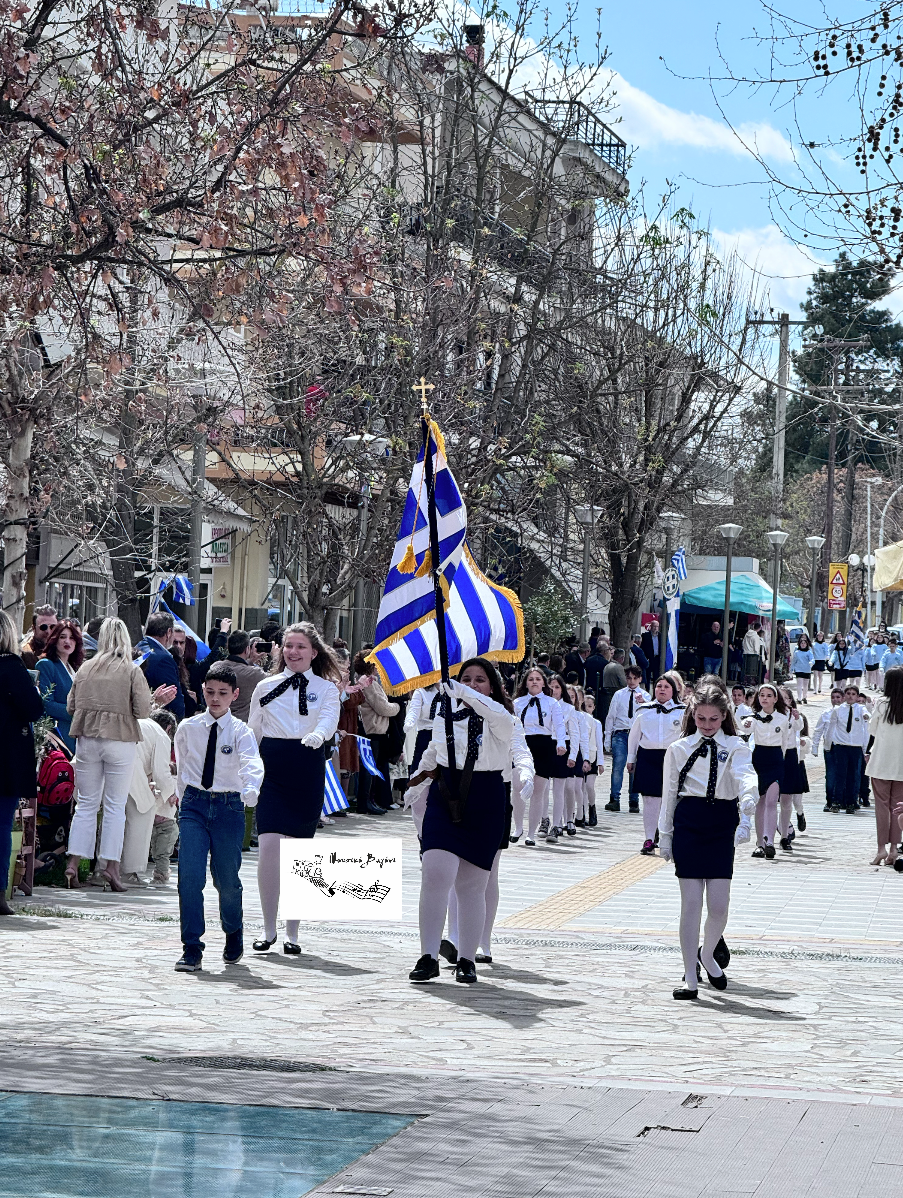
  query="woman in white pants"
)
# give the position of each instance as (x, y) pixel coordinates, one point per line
(109, 696)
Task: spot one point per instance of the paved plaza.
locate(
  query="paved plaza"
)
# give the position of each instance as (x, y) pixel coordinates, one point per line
(568, 1069)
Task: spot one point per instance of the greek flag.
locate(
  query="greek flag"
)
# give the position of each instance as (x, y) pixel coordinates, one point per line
(679, 562)
(366, 751)
(857, 636)
(673, 618)
(481, 617)
(334, 798)
(182, 590)
(203, 649)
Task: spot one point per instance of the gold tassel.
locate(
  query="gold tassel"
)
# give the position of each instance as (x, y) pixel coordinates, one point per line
(408, 563)
(425, 566)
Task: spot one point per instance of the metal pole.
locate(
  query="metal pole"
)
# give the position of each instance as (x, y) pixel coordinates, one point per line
(726, 626)
(196, 528)
(828, 547)
(772, 664)
(357, 618)
(780, 423)
(584, 587)
(868, 555)
(879, 597)
(815, 553)
(663, 626)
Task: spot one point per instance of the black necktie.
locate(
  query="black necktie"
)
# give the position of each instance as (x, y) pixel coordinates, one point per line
(434, 706)
(474, 731)
(209, 759)
(296, 681)
(705, 748)
(630, 706)
(534, 702)
(850, 719)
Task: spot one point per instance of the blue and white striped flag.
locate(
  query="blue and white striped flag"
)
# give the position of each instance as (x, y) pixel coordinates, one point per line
(481, 618)
(334, 798)
(203, 649)
(857, 636)
(679, 562)
(671, 644)
(366, 752)
(182, 590)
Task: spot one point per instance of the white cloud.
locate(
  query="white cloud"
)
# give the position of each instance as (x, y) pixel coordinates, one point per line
(648, 123)
(784, 268)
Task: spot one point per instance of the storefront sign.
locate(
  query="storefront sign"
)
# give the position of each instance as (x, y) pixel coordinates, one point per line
(217, 546)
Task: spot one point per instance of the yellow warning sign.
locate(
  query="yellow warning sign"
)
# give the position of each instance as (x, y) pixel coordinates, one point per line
(838, 573)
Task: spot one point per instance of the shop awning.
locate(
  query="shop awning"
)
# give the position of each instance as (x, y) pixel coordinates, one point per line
(749, 593)
(888, 574)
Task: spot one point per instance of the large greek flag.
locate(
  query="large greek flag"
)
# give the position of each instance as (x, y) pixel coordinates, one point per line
(482, 618)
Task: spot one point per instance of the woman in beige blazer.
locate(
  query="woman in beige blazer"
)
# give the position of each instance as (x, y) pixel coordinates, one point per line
(885, 765)
(375, 712)
(109, 696)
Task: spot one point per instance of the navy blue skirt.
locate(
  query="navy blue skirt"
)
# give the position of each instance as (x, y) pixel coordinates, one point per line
(560, 767)
(796, 781)
(542, 748)
(703, 844)
(478, 837)
(768, 762)
(294, 783)
(649, 771)
(421, 744)
(577, 770)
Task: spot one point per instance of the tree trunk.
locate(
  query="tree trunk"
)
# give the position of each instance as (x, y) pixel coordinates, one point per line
(15, 516)
(122, 542)
(625, 596)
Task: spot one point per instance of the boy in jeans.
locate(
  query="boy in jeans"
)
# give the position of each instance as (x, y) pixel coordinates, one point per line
(219, 773)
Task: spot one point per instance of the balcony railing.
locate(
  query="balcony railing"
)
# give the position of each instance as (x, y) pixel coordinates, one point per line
(504, 245)
(578, 123)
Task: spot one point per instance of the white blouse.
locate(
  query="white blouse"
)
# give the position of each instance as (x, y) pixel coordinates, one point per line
(589, 728)
(496, 746)
(576, 732)
(417, 717)
(656, 726)
(736, 776)
(552, 717)
(281, 718)
(770, 732)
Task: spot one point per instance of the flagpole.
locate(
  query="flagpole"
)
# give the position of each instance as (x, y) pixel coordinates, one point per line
(423, 386)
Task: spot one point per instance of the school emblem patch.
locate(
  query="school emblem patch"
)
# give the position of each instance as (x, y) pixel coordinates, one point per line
(722, 756)
(226, 749)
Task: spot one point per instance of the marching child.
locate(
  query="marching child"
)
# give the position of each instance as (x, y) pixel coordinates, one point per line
(597, 740)
(823, 732)
(657, 725)
(543, 724)
(219, 773)
(801, 663)
(570, 765)
(795, 783)
(821, 651)
(770, 737)
(625, 704)
(849, 736)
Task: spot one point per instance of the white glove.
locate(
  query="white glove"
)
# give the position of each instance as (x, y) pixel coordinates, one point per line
(526, 786)
(743, 831)
(664, 846)
(313, 740)
(747, 806)
(452, 688)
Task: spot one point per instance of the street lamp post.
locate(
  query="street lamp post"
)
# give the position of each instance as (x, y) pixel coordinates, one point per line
(815, 544)
(670, 522)
(586, 517)
(779, 539)
(869, 559)
(730, 532)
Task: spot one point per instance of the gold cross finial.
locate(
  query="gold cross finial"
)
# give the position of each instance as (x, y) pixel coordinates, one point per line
(423, 387)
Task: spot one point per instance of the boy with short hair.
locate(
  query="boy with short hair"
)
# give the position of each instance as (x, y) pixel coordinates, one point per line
(849, 736)
(625, 703)
(219, 773)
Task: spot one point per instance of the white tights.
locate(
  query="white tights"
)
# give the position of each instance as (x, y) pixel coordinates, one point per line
(588, 796)
(717, 893)
(558, 788)
(767, 816)
(802, 686)
(268, 885)
(573, 796)
(441, 871)
(817, 676)
(492, 906)
(652, 805)
(789, 804)
(539, 805)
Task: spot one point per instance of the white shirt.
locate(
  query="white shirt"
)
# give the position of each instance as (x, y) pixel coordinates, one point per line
(859, 732)
(655, 729)
(823, 729)
(618, 718)
(552, 717)
(281, 718)
(238, 766)
(774, 733)
(417, 717)
(152, 782)
(496, 750)
(589, 728)
(736, 776)
(576, 732)
(742, 711)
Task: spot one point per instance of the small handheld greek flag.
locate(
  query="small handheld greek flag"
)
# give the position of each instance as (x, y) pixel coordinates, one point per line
(857, 636)
(679, 562)
(366, 752)
(334, 798)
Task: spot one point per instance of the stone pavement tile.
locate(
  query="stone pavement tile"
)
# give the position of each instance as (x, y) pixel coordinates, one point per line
(883, 1180)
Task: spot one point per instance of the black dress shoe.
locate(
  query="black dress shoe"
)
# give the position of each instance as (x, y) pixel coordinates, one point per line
(683, 992)
(758, 853)
(613, 805)
(448, 950)
(719, 983)
(466, 971)
(593, 818)
(722, 954)
(375, 809)
(801, 821)
(425, 970)
(190, 961)
(786, 844)
(264, 946)
(235, 947)
(898, 865)
(484, 958)
(769, 851)
(291, 949)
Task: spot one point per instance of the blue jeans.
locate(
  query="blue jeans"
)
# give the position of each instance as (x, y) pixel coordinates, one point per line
(618, 762)
(211, 823)
(8, 808)
(711, 665)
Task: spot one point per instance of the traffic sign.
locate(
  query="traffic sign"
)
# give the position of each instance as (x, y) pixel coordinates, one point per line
(838, 577)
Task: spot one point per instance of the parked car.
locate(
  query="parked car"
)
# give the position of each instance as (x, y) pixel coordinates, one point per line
(795, 631)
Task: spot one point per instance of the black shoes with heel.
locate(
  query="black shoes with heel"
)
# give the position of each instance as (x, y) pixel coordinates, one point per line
(425, 970)
(719, 983)
(264, 946)
(466, 971)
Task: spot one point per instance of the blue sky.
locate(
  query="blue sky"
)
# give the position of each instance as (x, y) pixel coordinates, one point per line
(668, 112)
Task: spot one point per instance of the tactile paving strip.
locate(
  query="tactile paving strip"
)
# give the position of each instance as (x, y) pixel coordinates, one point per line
(576, 900)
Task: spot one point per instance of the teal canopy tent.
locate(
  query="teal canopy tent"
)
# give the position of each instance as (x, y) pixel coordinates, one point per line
(749, 593)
